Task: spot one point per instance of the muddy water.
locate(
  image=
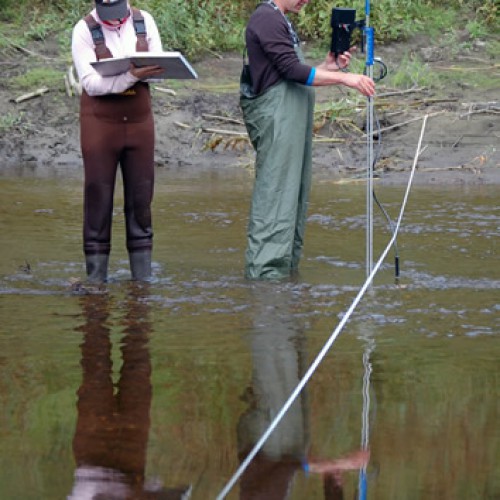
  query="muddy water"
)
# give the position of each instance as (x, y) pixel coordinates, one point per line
(172, 383)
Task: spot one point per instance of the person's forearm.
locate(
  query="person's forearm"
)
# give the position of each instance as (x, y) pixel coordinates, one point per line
(361, 83)
(324, 77)
(96, 85)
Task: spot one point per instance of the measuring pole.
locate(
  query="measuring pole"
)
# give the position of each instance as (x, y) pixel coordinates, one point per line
(369, 34)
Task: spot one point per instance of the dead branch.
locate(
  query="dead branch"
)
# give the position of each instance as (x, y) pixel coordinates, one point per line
(223, 118)
(416, 102)
(74, 85)
(215, 54)
(328, 140)
(472, 58)
(182, 125)
(165, 91)
(457, 167)
(213, 130)
(67, 86)
(455, 144)
(223, 132)
(481, 105)
(397, 125)
(401, 92)
(26, 51)
(30, 95)
(493, 111)
(475, 69)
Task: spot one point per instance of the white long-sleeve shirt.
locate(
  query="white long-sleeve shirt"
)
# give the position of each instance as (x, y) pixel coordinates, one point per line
(121, 42)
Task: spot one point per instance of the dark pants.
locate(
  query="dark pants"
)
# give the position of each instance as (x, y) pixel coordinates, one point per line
(117, 130)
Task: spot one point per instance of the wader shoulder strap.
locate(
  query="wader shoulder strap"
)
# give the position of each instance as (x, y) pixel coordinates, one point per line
(140, 31)
(101, 50)
(291, 30)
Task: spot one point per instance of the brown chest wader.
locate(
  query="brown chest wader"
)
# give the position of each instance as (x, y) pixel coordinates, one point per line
(279, 123)
(117, 129)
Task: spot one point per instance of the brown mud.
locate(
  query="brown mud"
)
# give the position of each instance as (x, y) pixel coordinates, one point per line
(199, 124)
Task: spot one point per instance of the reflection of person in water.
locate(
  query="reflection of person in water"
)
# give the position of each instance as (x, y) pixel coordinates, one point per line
(111, 435)
(278, 365)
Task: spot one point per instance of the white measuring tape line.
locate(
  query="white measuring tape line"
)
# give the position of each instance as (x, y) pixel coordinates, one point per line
(332, 338)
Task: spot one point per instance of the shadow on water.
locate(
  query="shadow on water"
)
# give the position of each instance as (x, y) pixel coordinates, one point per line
(165, 387)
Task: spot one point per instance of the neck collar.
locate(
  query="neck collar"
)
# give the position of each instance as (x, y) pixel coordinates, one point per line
(118, 25)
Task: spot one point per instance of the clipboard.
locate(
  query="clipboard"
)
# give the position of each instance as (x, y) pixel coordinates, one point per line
(175, 65)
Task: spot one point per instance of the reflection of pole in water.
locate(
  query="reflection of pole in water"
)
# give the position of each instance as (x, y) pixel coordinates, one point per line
(365, 416)
(111, 435)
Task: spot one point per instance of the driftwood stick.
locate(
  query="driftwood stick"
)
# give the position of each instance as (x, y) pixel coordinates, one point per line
(421, 152)
(67, 86)
(416, 102)
(441, 169)
(397, 125)
(222, 118)
(73, 83)
(481, 105)
(36, 93)
(401, 92)
(165, 91)
(328, 140)
(472, 58)
(215, 54)
(476, 69)
(455, 144)
(223, 132)
(493, 111)
(27, 51)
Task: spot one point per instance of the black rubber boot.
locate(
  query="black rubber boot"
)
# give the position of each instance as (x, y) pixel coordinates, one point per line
(140, 265)
(97, 268)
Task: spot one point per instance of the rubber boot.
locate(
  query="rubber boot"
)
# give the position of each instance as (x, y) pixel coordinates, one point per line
(140, 265)
(97, 268)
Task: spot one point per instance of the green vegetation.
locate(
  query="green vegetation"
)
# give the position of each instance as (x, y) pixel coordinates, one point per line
(198, 26)
(9, 121)
(201, 27)
(413, 72)
(37, 77)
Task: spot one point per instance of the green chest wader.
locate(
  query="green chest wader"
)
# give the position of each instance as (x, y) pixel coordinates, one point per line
(279, 123)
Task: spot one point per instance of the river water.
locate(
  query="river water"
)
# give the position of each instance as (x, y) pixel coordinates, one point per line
(166, 387)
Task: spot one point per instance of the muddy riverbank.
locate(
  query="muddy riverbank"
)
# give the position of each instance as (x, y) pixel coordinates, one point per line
(199, 124)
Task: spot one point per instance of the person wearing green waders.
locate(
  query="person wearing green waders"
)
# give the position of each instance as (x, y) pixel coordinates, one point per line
(278, 103)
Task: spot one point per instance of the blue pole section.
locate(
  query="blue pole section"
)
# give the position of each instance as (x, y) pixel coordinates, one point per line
(363, 485)
(370, 45)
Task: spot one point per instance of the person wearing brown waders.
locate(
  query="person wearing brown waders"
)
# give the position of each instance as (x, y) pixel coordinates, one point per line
(278, 103)
(116, 128)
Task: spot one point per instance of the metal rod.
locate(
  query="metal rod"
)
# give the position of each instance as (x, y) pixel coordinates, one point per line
(369, 181)
(369, 37)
